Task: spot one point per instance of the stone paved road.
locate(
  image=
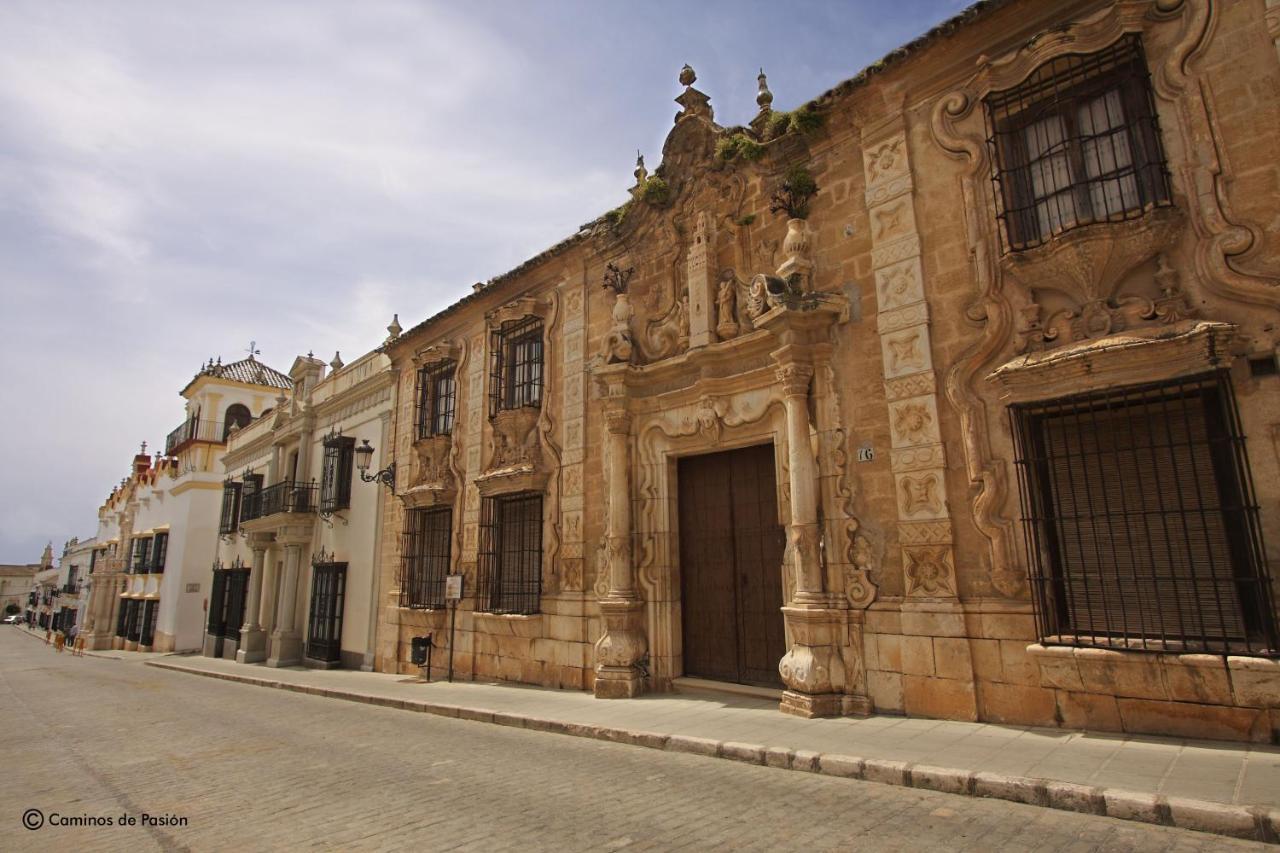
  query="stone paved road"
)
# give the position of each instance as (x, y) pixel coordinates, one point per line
(254, 769)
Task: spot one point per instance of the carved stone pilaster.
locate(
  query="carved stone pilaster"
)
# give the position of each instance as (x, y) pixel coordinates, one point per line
(623, 644)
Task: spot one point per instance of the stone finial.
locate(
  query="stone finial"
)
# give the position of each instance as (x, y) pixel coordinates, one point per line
(641, 172)
(394, 329)
(687, 75)
(336, 364)
(764, 98)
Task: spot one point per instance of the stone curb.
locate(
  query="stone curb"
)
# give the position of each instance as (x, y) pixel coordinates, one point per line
(1255, 823)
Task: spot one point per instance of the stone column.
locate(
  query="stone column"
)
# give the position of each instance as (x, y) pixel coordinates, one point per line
(119, 587)
(809, 668)
(623, 643)
(802, 532)
(286, 643)
(253, 638)
(270, 580)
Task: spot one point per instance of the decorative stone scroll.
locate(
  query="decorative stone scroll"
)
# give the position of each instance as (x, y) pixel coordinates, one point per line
(917, 456)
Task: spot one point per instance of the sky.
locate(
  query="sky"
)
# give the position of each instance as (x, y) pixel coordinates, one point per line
(178, 179)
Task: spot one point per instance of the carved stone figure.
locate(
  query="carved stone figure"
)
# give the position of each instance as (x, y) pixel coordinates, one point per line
(618, 345)
(726, 308)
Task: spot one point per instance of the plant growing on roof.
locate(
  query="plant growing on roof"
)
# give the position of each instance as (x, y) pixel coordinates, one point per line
(739, 145)
(804, 119)
(795, 193)
(655, 191)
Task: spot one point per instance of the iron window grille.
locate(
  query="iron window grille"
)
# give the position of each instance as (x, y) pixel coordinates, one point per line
(1077, 142)
(122, 620)
(141, 561)
(515, 377)
(510, 556)
(147, 618)
(159, 552)
(251, 498)
(324, 628)
(216, 626)
(1140, 520)
(230, 520)
(436, 399)
(426, 549)
(335, 479)
(133, 624)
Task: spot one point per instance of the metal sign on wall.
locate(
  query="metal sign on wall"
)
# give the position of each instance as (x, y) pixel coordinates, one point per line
(453, 587)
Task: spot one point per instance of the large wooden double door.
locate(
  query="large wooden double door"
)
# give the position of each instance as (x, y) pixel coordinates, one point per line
(731, 548)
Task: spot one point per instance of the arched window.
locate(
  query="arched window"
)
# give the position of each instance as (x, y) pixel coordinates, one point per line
(238, 416)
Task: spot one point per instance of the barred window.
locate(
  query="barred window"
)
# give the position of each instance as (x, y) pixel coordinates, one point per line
(159, 551)
(515, 379)
(1141, 526)
(427, 541)
(510, 557)
(251, 498)
(230, 521)
(141, 552)
(1075, 143)
(324, 623)
(335, 481)
(437, 399)
(147, 622)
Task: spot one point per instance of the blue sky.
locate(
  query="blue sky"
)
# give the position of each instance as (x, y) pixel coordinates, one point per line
(177, 179)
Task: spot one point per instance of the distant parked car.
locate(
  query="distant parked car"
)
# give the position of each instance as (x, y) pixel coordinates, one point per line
(15, 619)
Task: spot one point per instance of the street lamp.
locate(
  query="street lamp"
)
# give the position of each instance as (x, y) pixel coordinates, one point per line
(364, 457)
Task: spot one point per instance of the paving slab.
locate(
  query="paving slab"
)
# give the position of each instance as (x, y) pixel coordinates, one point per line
(1216, 786)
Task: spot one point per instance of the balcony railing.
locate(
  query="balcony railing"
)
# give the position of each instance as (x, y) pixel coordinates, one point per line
(190, 431)
(285, 496)
(71, 588)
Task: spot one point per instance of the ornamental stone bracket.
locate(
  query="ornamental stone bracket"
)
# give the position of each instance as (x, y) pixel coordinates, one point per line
(434, 481)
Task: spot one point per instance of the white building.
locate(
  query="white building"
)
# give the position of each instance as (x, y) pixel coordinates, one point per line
(295, 577)
(158, 530)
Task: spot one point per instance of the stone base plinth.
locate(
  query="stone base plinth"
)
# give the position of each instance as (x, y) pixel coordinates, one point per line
(253, 646)
(285, 650)
(810, 706)
(618, 682)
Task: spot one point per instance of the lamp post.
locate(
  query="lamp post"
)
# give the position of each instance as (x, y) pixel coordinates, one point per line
(364, 457)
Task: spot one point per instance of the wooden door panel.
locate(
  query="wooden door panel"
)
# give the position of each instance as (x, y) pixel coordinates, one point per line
(730, 559)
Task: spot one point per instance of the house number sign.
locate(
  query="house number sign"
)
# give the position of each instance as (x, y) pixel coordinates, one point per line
(865, 453)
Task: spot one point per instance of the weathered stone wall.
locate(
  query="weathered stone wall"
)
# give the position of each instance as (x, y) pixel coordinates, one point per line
(924, 606)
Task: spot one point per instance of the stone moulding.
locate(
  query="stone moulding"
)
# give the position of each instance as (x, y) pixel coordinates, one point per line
(1155, 353)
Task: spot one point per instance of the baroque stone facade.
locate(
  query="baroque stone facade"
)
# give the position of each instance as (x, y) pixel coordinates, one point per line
(883, 287)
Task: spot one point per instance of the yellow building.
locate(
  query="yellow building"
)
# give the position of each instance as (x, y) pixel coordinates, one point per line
(952, 392)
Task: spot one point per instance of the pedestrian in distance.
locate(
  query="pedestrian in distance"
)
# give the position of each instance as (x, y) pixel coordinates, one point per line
(59, 640)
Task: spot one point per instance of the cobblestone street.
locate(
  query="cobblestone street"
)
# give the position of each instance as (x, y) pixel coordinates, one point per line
(264, 769)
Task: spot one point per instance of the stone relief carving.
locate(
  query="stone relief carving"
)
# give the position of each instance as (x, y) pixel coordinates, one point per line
(514, 441)
(921, 495)
(929, 571)
(727, 306)
(433, 460)
(618, 343)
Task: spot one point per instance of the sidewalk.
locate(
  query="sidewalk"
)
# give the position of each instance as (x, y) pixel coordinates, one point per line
(1211, 786)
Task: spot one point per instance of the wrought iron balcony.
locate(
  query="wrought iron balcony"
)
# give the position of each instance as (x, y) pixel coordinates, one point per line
(192, 431)
(285, 496)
